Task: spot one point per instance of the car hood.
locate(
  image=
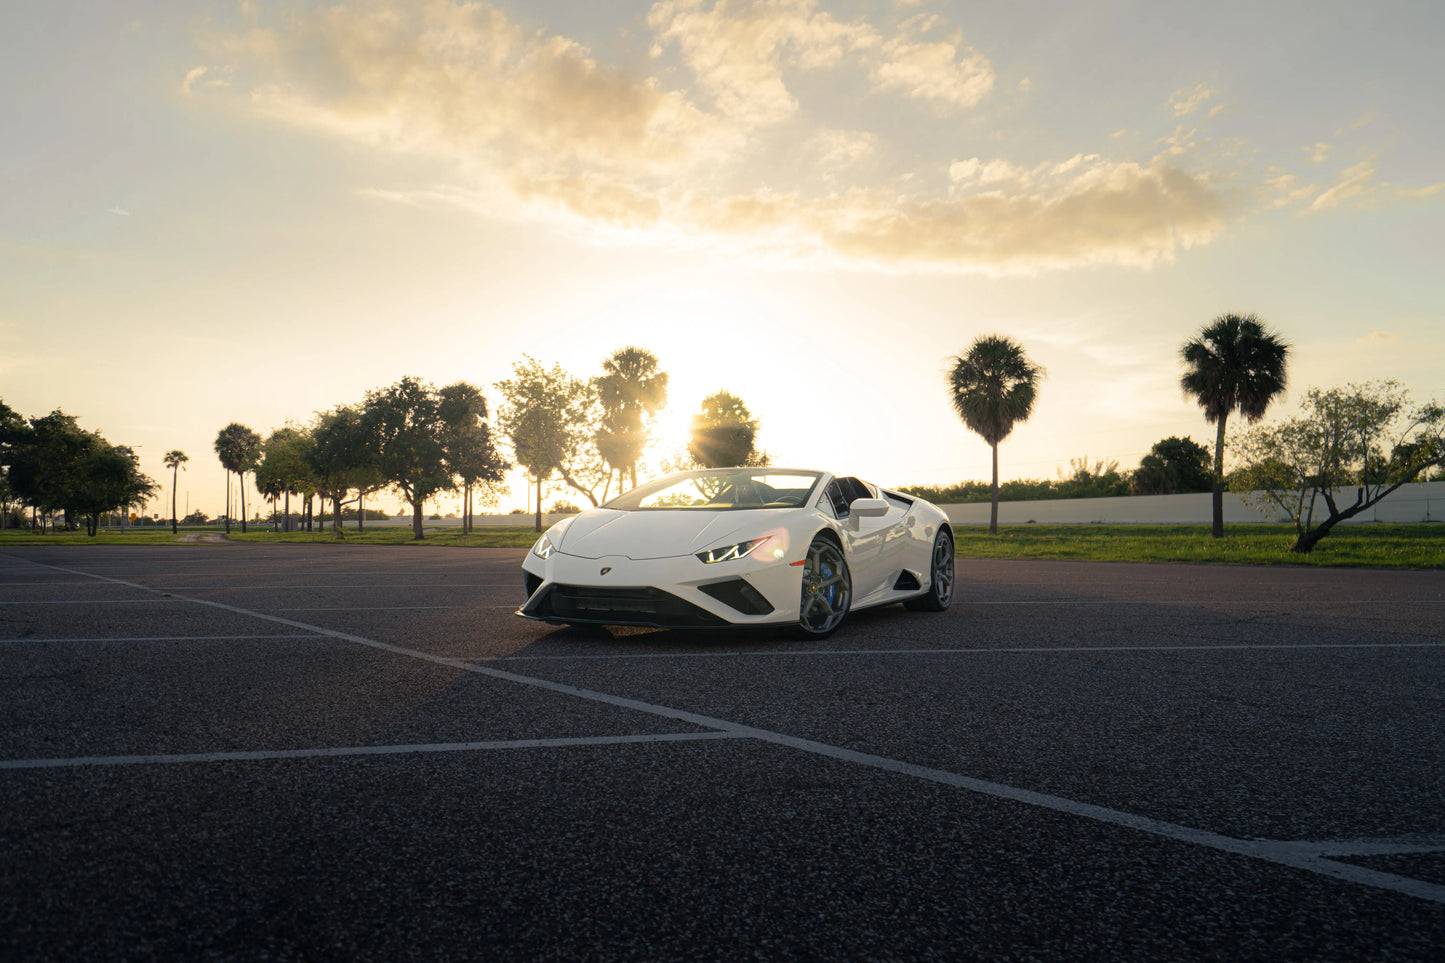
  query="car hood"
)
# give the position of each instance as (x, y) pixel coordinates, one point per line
(662, 533)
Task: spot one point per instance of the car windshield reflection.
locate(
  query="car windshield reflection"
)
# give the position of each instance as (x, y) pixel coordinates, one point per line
(720, 490)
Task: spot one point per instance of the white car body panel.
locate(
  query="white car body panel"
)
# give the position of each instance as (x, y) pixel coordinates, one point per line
(604, 561)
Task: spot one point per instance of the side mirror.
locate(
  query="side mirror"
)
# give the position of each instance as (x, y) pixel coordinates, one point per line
(865, 508)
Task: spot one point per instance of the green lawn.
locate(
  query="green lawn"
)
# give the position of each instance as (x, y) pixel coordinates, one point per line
(503, 537)
(1372, 546)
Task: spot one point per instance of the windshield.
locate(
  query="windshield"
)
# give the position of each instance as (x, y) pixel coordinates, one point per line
(721, 490)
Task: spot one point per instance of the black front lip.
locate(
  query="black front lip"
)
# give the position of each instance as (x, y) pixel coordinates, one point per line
(615, 605)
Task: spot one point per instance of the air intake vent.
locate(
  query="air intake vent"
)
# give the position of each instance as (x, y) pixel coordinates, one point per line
(739, 594)
(907, 582)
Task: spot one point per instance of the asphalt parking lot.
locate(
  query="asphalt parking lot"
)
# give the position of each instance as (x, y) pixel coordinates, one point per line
(331, 752)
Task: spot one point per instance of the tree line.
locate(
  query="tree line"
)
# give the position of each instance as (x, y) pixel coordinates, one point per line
(419, 441)
(55, 468)
(1368, 437)
(1173, 466)
(411, 438)
(586, 433)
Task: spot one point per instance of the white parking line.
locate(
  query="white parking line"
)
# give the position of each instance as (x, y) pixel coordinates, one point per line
(359, 608)
(1207, 603)
(291, 586)
(1272, 851)
(426, 747)
(159, 638)
(101, 601)
(1398, 846)
(1013, 650)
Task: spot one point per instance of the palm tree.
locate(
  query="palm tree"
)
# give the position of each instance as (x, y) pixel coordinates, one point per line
(237, 447)
(724, 433)
(993, 386)
(631, 390)
(1236, 364)
(174, 459)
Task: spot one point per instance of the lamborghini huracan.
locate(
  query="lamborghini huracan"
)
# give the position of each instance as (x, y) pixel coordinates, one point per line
(742, 546)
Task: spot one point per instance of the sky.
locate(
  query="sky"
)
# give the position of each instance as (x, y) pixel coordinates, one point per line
(258, 211)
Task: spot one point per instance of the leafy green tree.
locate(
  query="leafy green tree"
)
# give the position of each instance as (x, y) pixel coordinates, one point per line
(1099, 479)
(12, 428)
(174, 459)
(1174, 465)
(550, 418)
(467, 439)
(993, 386)
(106, 477)
(1235, 364)
(56, 466)
(1363, 437)
(408, 436)
(724, 433)
(238, 449)
(284, 470)
(341, 459)
(631, 391)
(44, 456)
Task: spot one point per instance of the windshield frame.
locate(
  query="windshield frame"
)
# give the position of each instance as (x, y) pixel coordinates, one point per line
(628, 501)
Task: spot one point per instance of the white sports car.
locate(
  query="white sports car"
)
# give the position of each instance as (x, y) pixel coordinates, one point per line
(742, 546)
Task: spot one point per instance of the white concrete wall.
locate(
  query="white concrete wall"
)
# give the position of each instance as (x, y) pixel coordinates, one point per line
(1423, 502)
(478, 521)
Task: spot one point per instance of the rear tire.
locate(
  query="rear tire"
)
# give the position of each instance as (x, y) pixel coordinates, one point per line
(827, 590)
(940, 578)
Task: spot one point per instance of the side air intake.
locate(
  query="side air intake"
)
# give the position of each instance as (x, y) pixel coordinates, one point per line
(739, 594)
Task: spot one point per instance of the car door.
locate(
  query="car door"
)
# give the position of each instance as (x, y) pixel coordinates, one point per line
(874, 543)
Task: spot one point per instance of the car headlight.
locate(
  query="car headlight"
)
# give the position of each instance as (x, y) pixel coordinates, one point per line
(544, 547)
(731, 553)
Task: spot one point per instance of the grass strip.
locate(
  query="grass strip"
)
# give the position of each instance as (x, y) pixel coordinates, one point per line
(1368, 546)
(499, 537)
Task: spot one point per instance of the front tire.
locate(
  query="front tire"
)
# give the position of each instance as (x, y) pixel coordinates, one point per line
(940, 578)
(827, 590)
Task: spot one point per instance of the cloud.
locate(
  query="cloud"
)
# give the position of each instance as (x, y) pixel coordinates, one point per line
(192, 75)
(464, 80)
(945, 72)
(118, 211)
(197, 76)
(1102, 212)
(1319, 153)
(1353, 182)
(1186, 101)
(1420, 193)
(536, 127)
(1283, 189)
(1378, 337)
(1355, 186)
(835, 153)
(740, 49)
(1120, 213)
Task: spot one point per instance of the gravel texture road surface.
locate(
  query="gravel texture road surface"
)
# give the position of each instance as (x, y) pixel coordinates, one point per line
(240, 751)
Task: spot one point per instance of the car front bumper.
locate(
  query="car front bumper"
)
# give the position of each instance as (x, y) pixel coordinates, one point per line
(666, 592)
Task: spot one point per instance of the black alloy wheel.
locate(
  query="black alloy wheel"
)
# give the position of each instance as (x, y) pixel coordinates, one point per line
(940, 578)
(827, 590)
